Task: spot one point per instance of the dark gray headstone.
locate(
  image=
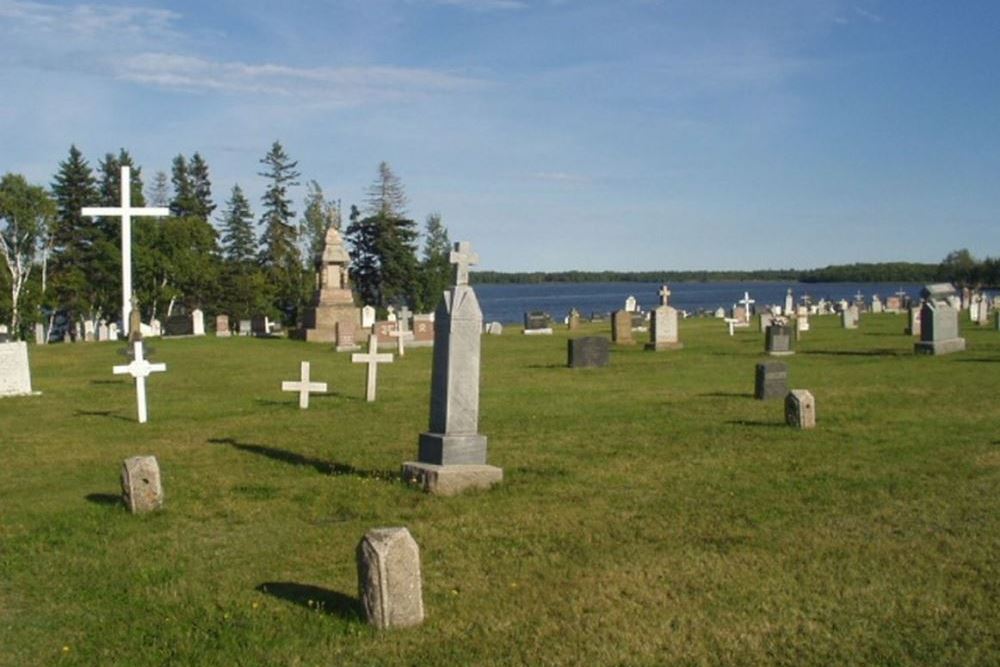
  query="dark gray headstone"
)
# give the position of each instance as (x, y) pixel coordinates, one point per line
(178, 325)
(771, 380)
(589, 352)
(779, 340)
(537, 319)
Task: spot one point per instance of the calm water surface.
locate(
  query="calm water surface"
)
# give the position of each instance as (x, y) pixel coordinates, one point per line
(508, 303)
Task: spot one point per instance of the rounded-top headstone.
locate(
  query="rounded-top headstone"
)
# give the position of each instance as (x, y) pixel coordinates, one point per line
(389, 581)
(142, 490)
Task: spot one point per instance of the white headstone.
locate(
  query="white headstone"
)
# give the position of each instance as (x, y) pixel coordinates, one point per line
(390, 314)
(304, 387)
(789, 303)
(39, 333)
(102, 331)
(113, 331)
(373, 359)
(140, 369)
(15, 374)
(88, 330)
(630, 304)
(367, 317)
(197, 322)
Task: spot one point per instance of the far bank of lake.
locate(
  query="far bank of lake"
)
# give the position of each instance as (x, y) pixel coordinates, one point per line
(507, 303)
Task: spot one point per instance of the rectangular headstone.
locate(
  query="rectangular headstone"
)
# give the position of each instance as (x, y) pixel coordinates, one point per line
(800, 409)
(588, 352)
(39, 333)
(222, 326)
(771, 380)
(537, 322)
(778, 340)
(15, 374)
(197, 322)
(621, 328)
(178, 325)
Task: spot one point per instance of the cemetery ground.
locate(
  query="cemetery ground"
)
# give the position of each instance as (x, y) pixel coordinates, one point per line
(652, 511)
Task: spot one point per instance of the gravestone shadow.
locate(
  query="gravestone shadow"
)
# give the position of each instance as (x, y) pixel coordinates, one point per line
(881, 352)
(750, 422)
(319, 465)
(980, 360)
(107, 381)
(101, 413)
(315, 598)
(108, 499)
(725, 394)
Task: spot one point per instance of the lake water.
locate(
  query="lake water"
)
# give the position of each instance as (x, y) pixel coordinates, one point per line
(508, 303)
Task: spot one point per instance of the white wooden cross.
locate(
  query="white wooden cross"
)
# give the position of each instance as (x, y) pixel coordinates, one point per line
(373, 359)
(401, 337)
(746, 302)
(404, 318)
(732, 324)
(304, 386)
(463, 257)
(125, 211)
(140, 369)
(664, 295)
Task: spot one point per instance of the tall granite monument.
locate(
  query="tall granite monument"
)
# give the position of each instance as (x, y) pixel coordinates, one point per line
(452, 453)
(333, 303)
(938, 322)
(663, 332)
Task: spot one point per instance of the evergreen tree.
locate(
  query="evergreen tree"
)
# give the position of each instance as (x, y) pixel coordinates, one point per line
(365, 269)
(386, 196)
(436, 270)
(159, 190)
(75, 236)
(184, 202)
(239, 243)
(280, 252)
(318, 217)
(201, 187)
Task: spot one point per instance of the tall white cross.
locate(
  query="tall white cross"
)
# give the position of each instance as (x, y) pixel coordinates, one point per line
(664, 295)
(140, 369)
(401, 336)
(463, 257)
(125, 211)
(746, 302)
(373, 359)
(304, 386)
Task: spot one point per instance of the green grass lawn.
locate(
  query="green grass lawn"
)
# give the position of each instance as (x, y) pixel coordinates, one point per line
(652, 512)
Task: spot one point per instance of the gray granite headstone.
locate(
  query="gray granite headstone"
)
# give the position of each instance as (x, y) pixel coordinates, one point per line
(938, 322)
(142, 490)
(778, 340)
(389, 582)
(663, 333)
(588, 352)
(621, 328)
(15, 374)
(537, 322)
(771, 380)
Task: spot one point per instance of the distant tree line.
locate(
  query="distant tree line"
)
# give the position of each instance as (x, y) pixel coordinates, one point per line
(958, 267)
(58, 262)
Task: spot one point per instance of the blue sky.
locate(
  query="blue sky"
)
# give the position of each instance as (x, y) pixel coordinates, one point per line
(552, 134)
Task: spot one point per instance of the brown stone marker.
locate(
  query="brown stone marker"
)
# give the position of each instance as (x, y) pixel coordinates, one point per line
(389, 583)
(621, 328)
(141, 487)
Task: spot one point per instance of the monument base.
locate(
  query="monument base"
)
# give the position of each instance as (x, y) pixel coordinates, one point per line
(538, 332)
(450, 480)
(940, 346)
(664, 346)
(347, 348)
(785, 353)
(441, 449)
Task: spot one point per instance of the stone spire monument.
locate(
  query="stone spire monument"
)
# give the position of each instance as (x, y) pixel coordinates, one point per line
(333, 305)
(452, 453)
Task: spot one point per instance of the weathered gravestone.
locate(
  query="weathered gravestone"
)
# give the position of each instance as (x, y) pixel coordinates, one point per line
(389, 582)
(367, 317)
(913, 326)
(663, 334)
(246, 327)
(778, 340)
(494, 329)
(346, 336)
(771, 380)
(573, 320)
(537, 323)
(849, 317)
(178, 325)
(197, 322)
(102, 332)
(452, 453)
(589, 352)
(39, 333)
(222, 326)
(621, 328)
(142, 490)
(15, 374)
(260, 325)
(423, 330)
(765, 321)
(938, 322)
(800, 409)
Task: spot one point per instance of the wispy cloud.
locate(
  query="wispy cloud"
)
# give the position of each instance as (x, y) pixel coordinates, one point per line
(332, 85)
(86, 20)
(867, 15)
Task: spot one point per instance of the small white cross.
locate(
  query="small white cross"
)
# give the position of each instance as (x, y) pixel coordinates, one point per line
(304, 386)
(404, 318)
(463, 257)
(125, 212)
(140, 369)
(732, 325)
(373, 359)
(401, 336)
(664, 295)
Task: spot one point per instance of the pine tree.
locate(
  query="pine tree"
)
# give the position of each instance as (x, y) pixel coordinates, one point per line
(386, 196)
(201, 187)
(184, 202)
(318, 217)
(75, 236)
(280, 252)
(435, 268)
(159, 190)
(239, 243)
(366, 274)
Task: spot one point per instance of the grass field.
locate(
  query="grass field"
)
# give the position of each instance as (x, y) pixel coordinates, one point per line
(652, 512)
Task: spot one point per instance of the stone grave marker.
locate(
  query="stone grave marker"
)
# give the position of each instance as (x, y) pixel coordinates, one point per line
(765, 321)
(15, 374)
(588, 352)
(537, 323)
(938, 322)
(246, 327)
(573, 320)
(39, 333)
(304, 387)
(913, 324)
(142, 489)
(222, 326)
(113, 331)
(452, 453)
(849, 318)
(139, 369)
(89, 333)
(663, 332)
(631, 305)
(800, 409)
(778, 340)
(771, 380)
(260, 325)
(102, 332)
(789, 303)
(423, 330)
(621, 328)
(333, 300)
(367, 317)
(373, 359)
(178, 325)
(346, 332)
(731, 323)
(197, 322)
(494, 329)
(389, 582)
(877, 306)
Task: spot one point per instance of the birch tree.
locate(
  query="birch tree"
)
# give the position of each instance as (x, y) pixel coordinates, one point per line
(26, 213)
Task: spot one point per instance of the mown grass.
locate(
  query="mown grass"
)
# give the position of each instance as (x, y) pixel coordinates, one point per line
(653, 513)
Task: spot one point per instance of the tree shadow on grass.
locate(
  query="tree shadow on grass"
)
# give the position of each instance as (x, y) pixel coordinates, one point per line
(885, 333)
(108, 381)
(101, 413)
(294, 401)
(323, 467)
(724, 394)
(548, 366)
(980, 360)
(749, 422)
(881, 352)
(315, 598)
(104, 499)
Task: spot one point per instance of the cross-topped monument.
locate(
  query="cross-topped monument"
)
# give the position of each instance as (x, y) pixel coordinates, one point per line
(140, 369)
(463, 257)
(304, 386)
(746, 302)
(404, 318)
(125, 212)
(373, 359)
(664, 295)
